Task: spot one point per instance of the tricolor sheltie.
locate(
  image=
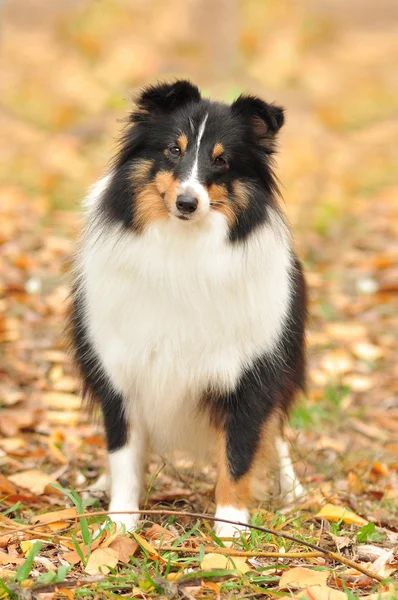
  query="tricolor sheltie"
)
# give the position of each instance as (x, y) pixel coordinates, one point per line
(189, 302)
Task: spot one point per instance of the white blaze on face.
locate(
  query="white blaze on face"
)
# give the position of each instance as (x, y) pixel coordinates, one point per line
(191, 185)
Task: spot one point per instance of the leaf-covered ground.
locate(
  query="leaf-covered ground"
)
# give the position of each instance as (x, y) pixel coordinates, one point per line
(66, 72)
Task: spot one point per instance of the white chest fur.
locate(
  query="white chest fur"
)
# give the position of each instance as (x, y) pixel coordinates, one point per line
(178, 309)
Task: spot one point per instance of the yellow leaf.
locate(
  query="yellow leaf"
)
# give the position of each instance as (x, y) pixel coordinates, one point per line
(337, 513)
(239, 563)
(300, 577)
(146, 545)
(101, 561)
(214, 560)
(174, 576)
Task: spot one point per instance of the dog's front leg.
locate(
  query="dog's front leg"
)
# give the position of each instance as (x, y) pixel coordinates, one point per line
(126, 450)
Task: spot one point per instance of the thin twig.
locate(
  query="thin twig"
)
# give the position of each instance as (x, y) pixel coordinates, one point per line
(178, 513)
(243, 553)
(18, 528)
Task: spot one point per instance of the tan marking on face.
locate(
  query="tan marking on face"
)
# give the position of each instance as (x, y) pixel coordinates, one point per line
(140, 171)
(218, 150)
(163, 180)
(167, 186)
(182, 141)
(149, 207)
(219, 201)
(241, 194)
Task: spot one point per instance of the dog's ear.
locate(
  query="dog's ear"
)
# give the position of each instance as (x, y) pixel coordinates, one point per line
(164, 98)
(266, 119)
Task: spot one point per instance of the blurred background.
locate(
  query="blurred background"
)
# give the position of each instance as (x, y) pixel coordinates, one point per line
(67, 72)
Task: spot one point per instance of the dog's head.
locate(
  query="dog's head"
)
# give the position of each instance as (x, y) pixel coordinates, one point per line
(185, 158)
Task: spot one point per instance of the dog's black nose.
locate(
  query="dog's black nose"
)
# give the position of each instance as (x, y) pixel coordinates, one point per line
(186, 204)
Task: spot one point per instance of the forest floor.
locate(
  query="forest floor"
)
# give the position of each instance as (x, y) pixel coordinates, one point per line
(58, 113)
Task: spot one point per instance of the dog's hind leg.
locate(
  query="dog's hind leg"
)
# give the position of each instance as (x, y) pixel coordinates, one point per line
(290, 488)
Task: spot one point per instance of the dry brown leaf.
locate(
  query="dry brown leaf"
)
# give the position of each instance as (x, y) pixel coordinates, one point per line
(341, 541)
(367, 351)
(337, 362)
(6, 559)
(301, 577)
(54, 517)
(159, 533)
(5, 538)
(60, 417)
(387, 595)
(34, 480)
(146, 545)
(11, 444)
(125, 548)
(337, 513)
(54, 441)
(61, 401)
(318, 592)
(6, 486)
(378, 470)
(213, 586)
(13, 420)
(355, 485)
(101, 560)
(387, 564)
(214, 560)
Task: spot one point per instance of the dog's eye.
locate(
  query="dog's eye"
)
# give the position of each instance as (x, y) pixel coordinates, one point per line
(220, 161)
(175, 151)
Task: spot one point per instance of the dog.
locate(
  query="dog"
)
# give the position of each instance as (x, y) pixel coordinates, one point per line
(189, 303)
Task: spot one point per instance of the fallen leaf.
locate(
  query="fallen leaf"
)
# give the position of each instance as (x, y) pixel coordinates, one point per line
(27, 545)
(337, 513)
(159, 533)
(301, 577)
(54, 441)
(318, 592)
(355, 485)
(6, 559)
(13, 420)
(212, 585)
(101, 561)
(367, 351)
(55, 516)
(341, 541)
(125, 548)
(11, 444)
(337, 362)
(63, 417)
(214, 560)
(61, 401)
(6, 486)
(387, 564)
(378, 470)
(35, 481)
(146, 545)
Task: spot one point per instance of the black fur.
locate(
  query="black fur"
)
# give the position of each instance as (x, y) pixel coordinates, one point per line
(96, 384)
(271, 383)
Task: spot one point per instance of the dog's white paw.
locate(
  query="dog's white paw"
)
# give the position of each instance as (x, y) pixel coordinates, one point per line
(229, 530)
(298, 492)
(129, 521)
